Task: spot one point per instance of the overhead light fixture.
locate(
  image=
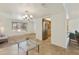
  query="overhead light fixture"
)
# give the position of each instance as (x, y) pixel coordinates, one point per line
(31, 16)
(27, 16)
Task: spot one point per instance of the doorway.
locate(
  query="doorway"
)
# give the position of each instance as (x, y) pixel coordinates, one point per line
(73, 31)
(46, 28)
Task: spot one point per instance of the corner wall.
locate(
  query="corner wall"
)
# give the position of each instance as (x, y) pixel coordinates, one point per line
(59, 30)
(38, 28)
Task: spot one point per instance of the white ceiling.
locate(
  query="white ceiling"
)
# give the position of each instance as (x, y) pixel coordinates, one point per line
(13, 10)
(36, 9)
(73, 10)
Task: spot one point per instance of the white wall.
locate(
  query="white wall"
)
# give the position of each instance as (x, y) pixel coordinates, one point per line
(6, 22)
(59, 30)
(30, 27)
(38, 28)
(73, 25)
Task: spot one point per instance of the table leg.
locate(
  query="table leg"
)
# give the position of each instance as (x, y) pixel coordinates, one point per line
(38, 48)
(26, 52)
(18, 48)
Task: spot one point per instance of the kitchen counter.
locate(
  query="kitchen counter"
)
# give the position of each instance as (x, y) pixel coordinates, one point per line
(21, 35)
(18, 37)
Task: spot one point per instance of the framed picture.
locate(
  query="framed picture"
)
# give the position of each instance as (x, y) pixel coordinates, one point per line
(19, 26)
